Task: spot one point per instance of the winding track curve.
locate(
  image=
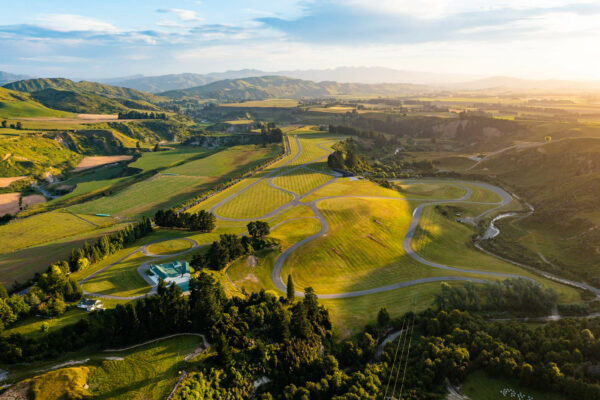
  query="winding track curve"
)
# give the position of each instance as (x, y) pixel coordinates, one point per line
(297, 200)
(505, 198)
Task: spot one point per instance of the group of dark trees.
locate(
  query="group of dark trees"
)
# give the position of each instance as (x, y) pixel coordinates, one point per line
(49, 296)
(270, 130)
(290, 344)
(230, 247)
(18, 125)
(201, 221)
(141, 115)
(345, 157)
(516, 295)
(378, 139)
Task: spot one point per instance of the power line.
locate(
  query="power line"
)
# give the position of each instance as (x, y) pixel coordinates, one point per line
(407, 356)
(394, 362)
(400, 363)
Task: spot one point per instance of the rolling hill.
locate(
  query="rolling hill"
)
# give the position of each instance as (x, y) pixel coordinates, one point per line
(266, 87)
(16, 104)
(561, 179)
(82, 87)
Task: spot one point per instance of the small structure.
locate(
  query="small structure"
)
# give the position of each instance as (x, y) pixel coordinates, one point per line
(90, 305)
(176, 271)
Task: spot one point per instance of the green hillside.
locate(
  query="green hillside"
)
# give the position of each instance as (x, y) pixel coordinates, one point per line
(34, 155)
(77, 102)
(15, 104)
(260, 88)
(561, 179)
(82, 87)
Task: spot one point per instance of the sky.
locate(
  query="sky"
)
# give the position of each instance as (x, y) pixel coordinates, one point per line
(539, 39)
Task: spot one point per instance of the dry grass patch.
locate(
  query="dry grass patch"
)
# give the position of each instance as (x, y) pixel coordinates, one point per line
(95, 161)
(6, 182)
(9, 202)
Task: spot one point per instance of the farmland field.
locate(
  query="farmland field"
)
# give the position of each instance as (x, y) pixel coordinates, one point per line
(246, 206)
(47, 227)
(301, 180)
(176, 184)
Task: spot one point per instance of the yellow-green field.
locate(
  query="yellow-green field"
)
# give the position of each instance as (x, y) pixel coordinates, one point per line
(169, 247)
(121, 279)
(254, 202)
(301, 180)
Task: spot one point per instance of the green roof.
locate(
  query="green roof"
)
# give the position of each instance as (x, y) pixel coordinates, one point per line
(171, 270)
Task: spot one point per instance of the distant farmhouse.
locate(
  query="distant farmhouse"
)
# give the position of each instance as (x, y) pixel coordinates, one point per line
(176, 271)
(90, 305)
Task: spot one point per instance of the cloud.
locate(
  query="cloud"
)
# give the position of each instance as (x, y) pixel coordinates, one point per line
(184, 15)
(354, 22)
(55, 59)
(73, 22)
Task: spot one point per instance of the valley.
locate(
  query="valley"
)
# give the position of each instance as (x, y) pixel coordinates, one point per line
(373, 205)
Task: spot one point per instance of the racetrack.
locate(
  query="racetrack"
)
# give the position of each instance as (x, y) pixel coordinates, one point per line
(302, 199)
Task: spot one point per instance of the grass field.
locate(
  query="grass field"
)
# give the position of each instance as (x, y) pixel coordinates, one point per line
(445, 241)
(160, 191)
(121, 279)
(301, 180)
(362, 249)
(247, 205)
(47, 227)
(162, 159)
(479, 386)
(146, 372)
(31, 326)
(20, 265)
(285, 103)
(224, 163)
(169, 247)
(347, 187)
(163, 191)
(429, 190)
(350, 315)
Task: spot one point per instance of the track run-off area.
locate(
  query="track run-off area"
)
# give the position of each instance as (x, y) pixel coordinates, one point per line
(300, 191)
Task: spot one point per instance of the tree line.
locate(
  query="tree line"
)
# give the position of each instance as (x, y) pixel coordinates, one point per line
(517, 295)
(141, 115)
(201, 221)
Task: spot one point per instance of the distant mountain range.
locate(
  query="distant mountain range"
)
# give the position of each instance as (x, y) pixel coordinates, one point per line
(371, 75)
(6, 77)
(266, 87)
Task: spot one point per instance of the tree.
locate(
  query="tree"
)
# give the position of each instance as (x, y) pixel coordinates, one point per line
(3, 292)
(19, 125)
(137, 145)
(291, 293)
(4, 124)
(258, 229)
(7, 316)
(383, 317)
(156, 147)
